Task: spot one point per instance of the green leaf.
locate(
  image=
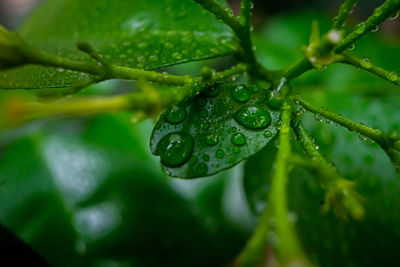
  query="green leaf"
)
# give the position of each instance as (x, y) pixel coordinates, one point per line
(89, 193)
(145, 34)
(216, 130)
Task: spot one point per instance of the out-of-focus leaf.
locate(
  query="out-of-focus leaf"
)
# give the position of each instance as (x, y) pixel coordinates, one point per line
(146, 34)
(214, 131)
(88, 193)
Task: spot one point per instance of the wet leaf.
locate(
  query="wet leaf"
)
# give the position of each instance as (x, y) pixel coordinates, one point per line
(216, 130)
(145, 34)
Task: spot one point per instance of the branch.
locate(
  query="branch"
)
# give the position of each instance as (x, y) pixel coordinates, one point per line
(390, 143)
(242, 32)
(245, 12)
(344, 11)
(340, 192)
(366, 64)
(288, 249)
(380, 14)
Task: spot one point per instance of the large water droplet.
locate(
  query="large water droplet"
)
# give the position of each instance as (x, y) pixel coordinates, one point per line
(239, 139)
(241, 94)
(253, 117)
(175, 148)
(176, 114)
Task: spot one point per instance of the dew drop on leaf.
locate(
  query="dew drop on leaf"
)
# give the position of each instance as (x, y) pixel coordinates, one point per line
(202, 169)
(236, 150)
(175, 148)
(219, 154)
(253, 117)
(268, 134)
(239, 139)
(206, 158)
(211, 139)
(176, 114)
(241, 94)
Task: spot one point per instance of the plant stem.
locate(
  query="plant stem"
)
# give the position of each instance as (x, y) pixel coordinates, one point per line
(344, 11)
(373, 134)
(246, 6)
(242, 32)
(364, 64)
(339, 191)
(379, 15)
(390, 143)
(298, 69)
(288, 249)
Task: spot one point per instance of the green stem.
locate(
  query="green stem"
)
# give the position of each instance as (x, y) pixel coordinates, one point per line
(388, 142)
(246, 6)
(365, 64)
(298, 69)
(242, 32)
(380, 14)
(344, 11)
(288, 249)
(373, 134)
(339, 191)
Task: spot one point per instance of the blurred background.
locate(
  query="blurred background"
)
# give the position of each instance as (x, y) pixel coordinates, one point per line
(87, 191)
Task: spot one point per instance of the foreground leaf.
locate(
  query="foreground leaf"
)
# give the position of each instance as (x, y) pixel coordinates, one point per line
(219, 128)
(144, 34)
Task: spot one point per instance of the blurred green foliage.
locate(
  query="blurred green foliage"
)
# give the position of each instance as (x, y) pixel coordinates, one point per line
(88, 192)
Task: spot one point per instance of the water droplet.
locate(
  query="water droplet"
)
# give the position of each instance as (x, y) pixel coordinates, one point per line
(255, 88)
(176, 114)
(241, 94)
(362, 137)
(203, 113)
(219, 154)
(351, 47)
(318, 117)
(366, 63)
(239, 139)
(202, 169)
(205, 125)
(206, 158)
(236, 150)
(211, 139)
(233, 130)
(395, 15)
(268, 134)
(211, 91)
(375, 29)
(253, 117)
(175, 148)
(193, 160)
(392, 76)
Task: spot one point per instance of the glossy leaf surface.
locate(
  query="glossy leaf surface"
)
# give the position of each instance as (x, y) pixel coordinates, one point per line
(145, 34)
(220, 127)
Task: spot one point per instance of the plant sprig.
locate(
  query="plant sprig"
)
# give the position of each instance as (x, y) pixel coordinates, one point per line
(287, 248)
(339, 192)
(390, 143)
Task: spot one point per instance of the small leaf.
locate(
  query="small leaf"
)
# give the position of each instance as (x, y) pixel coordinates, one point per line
(222, 126)
(144, 34)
